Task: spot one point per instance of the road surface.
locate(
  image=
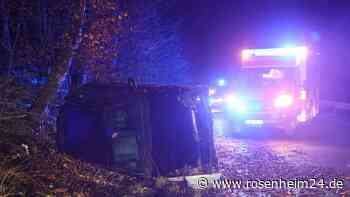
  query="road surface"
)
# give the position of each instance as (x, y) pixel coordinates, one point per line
(319, 149)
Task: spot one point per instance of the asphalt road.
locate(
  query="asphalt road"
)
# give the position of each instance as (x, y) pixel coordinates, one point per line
(324, 140)
(320, 147)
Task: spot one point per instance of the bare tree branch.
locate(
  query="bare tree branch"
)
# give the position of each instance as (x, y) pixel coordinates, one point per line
(13, 117)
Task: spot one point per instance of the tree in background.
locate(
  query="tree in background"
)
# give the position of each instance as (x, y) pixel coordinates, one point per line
(95, 48)
(40, 37)
(103, 40)
(59, 38)
(152, 48)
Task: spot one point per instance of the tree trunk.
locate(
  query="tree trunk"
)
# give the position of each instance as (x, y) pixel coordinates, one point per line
(6, 36)
(59, 73)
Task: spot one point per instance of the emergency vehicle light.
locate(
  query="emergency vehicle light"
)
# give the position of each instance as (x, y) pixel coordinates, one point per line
(221, 82)
(236, 104)
(217, 100)
(300, 52)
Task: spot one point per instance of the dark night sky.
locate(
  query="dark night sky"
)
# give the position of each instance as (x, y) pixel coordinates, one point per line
(215, 31)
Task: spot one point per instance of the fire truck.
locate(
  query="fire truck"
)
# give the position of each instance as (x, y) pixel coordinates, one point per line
(276, 87)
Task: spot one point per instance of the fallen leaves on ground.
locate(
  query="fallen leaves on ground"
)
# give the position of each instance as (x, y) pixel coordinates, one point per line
(32, 167)
(44, 172)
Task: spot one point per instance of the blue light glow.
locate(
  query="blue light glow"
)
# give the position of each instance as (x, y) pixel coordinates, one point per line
(215, 100)
(295, 51)
(241, 108)
(289, 46)
(254, 122)
(257, 107)
(236, 104)
(211, 101)
(221, 82)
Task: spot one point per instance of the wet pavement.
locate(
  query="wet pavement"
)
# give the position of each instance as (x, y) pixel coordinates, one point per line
(319, 149)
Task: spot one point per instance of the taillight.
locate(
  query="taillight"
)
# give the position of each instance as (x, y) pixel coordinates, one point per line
(283, 100)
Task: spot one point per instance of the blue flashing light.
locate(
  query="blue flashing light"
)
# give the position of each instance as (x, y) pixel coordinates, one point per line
(289, 46)
(211, 101)
(221, 82)
(236, 104)
(257, 107)
(241, 108)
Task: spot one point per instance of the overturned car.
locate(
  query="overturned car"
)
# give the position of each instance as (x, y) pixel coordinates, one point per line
(147, 130)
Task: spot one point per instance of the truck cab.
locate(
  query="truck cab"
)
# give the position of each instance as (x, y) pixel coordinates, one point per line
(278, 87)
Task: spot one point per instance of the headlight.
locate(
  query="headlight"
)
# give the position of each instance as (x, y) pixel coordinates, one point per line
(235, 104)
(283, 100)
(215, 100)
